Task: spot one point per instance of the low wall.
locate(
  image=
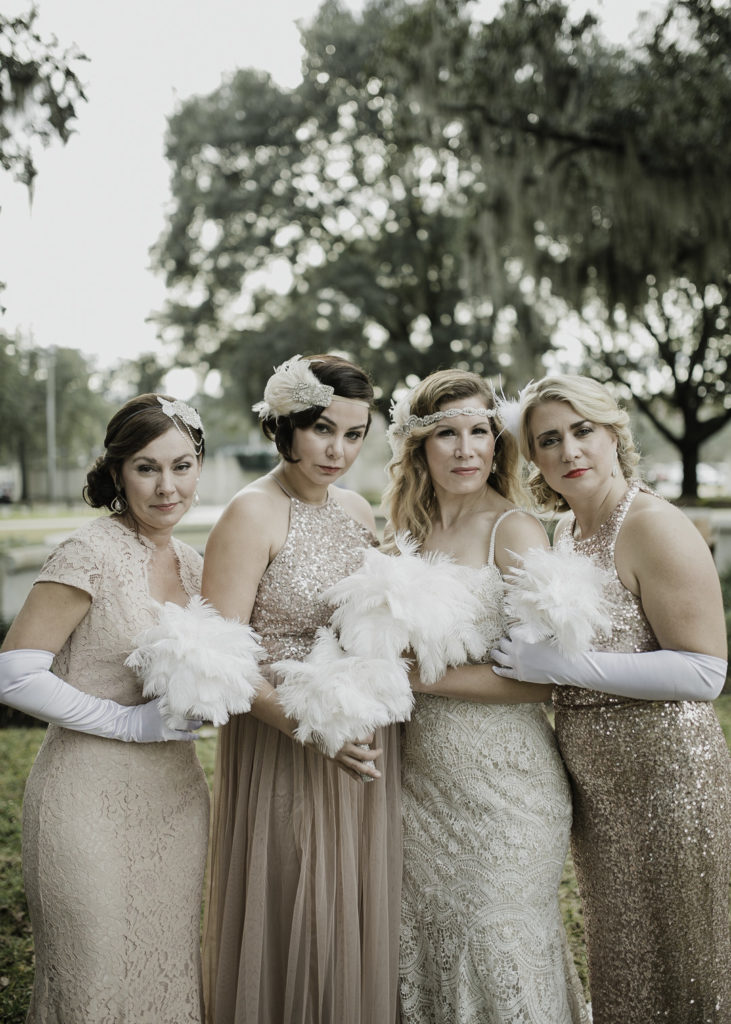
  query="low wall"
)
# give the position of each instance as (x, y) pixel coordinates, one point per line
(19, 566)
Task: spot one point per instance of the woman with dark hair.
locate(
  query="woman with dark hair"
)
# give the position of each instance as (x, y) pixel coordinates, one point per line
(649, 766)
(114, 833)
(302, 915)
(486, 801)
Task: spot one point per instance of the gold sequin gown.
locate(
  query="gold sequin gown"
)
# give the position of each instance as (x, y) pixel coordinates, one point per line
(302, 917)
(114, 834)
(651, 838)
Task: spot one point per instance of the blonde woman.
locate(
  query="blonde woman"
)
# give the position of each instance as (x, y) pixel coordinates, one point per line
(649, 767)
(486, 801)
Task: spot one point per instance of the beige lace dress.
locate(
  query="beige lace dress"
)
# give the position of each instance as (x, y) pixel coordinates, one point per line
(302, 917)
(651, 840)
(114, 834)
(486, 821)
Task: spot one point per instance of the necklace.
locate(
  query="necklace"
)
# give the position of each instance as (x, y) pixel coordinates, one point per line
(291, 493)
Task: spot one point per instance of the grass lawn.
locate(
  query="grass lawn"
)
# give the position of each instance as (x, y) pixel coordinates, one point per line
(18, 747)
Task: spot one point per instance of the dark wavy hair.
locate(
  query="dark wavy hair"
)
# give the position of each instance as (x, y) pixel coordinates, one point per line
(139, 421)
(347, 380)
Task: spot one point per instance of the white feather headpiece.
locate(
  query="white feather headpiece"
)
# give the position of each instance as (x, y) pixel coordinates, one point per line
(558, 595)
(201, 665)
(510, 411)
(293, 387)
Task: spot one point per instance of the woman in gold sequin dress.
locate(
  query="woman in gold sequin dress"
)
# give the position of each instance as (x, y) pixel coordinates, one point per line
(486, 801)
(305, 867)
(649, 766)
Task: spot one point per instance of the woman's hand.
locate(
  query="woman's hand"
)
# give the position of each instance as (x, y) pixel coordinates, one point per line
(357, 759)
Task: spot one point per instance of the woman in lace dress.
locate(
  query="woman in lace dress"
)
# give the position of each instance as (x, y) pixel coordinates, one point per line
(486, 803)
(305, 870)
(649, 767)
(115, 820)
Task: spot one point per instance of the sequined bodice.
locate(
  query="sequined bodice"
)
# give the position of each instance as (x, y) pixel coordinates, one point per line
(631, 631)
(323, 545)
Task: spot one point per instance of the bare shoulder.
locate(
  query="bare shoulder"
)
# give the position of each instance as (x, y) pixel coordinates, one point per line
(356, 506)
(520, 530)
(653, 523)
(260, 510)
(658, 539)
(515, 534)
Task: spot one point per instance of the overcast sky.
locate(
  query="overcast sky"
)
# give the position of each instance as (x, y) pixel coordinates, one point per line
(76, 263)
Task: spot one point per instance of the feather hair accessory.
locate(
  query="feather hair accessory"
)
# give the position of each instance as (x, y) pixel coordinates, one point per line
(201, 665)
(293, 387)
(510, 411)
(338, 698)
(410, 602)
(558, 595)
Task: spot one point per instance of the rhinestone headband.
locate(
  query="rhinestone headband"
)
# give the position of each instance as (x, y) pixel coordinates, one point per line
(180, 412)
(293, 387)
(403, 421)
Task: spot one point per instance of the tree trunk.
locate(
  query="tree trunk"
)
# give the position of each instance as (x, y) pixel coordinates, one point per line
(690, 454)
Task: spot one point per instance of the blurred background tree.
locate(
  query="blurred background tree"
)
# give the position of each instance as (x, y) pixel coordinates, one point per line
(444, 190)
(39, 93)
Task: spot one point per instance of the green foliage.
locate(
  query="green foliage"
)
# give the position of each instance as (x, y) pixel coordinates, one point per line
(436, 184)
(39, 93)
(27, 374)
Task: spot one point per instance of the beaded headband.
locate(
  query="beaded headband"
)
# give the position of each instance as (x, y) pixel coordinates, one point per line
(178, 410)
(403, 421)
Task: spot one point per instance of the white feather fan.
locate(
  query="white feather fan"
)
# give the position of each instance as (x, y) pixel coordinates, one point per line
(557, 594)
(337, 698)
(421, 603)
(202, 665)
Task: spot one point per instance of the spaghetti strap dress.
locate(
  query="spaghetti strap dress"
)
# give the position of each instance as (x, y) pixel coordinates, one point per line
(486, 819)
(114, 834)
(651, 838)
(302, 914)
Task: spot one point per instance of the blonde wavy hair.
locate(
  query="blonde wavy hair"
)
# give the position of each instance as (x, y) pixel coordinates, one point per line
(592, 401)
(409, 501)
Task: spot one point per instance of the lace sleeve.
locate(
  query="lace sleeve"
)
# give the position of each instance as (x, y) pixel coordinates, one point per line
(191, 568)
(77, 562)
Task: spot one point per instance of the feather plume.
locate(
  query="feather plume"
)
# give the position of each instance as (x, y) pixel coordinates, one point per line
(410, 602)
(292, 388)
(509, 412)
(400, 411)
(201, 665)
(337, 698)
(557, 595)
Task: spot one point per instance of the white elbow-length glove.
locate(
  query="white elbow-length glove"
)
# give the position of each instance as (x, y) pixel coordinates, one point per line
(26, 684)
(649, 675)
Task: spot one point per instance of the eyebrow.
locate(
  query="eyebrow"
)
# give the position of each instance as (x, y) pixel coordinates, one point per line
(572, 426)
(147, 458)
(360, 426)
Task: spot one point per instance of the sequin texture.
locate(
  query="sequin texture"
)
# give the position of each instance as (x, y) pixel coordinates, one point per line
(651, 838)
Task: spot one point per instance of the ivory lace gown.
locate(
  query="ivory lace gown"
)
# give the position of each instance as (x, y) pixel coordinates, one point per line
(486, 819)
(114, 834)
(652, 832)
(303, 910)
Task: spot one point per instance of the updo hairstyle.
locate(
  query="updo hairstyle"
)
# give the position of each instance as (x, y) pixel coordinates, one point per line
(136, 424)
(592, 401)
